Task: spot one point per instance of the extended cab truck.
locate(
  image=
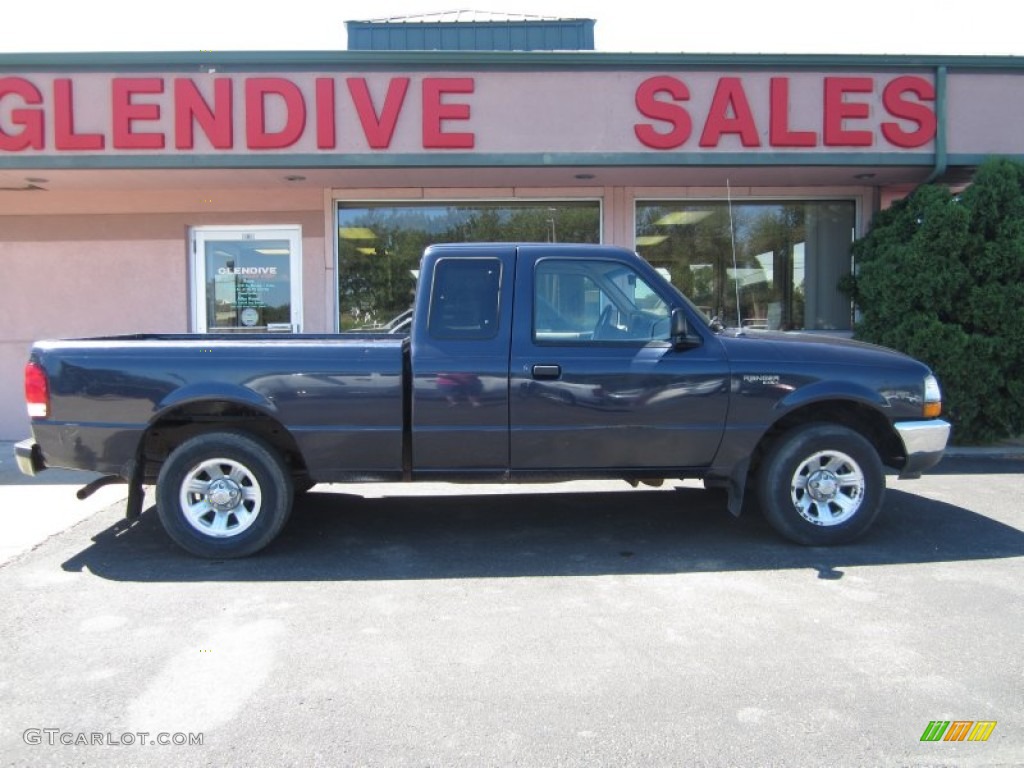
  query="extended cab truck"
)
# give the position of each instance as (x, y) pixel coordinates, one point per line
(524, 362)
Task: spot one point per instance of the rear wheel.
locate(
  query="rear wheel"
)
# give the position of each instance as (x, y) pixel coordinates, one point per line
(821, 484)
(223, 495)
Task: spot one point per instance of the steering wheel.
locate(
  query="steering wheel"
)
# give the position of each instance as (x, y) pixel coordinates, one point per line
(604, 322)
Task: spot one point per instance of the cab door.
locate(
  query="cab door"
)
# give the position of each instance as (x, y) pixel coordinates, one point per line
(595, 383)
(460, 347)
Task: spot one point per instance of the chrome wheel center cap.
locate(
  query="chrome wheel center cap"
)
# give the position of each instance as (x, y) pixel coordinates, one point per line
(224, 494)
(823, 485)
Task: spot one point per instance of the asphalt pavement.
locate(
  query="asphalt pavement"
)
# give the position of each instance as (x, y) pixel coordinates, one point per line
(586, 624)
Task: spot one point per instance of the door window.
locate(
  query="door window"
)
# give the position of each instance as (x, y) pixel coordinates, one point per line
(587, 301)
(246, 280)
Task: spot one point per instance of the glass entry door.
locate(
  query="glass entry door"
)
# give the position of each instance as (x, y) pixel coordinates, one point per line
(247, 279)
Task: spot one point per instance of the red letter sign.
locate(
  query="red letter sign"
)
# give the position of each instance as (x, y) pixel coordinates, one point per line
(256, 91)
(779, 134)
(378, 129)
(914, 111)
(64, 120)
(838, 110)
(436, 111)
(30, 120)
(667, 111)
(325, 133)
(190, 107)
(126, 111)
(730, 97)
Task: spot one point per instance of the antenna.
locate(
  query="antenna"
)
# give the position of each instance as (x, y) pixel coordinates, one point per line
(735, 268)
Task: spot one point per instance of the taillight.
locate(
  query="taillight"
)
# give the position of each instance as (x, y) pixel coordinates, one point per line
(37, 391)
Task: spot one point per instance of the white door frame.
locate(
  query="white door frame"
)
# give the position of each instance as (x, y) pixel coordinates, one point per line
(199, 236)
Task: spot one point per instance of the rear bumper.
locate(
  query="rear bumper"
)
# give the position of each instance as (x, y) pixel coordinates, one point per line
(29, 457)
(923, 442)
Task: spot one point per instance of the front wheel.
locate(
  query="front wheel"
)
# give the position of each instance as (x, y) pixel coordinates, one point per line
(821, 484)
(223, 495)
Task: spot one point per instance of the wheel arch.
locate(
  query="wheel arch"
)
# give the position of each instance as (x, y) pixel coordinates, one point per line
(186, 419)
(862, 417)
(857, 415)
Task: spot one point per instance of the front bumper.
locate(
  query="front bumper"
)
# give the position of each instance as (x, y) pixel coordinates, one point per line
(29, 457)
(923, 442)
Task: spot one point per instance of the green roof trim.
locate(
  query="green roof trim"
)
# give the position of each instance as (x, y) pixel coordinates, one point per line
(470, 160)
(484, 60)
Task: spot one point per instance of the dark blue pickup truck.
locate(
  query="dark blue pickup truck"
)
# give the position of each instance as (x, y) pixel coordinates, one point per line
(524, 362)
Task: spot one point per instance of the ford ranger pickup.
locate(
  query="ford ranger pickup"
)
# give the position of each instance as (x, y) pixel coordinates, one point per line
(523, 362)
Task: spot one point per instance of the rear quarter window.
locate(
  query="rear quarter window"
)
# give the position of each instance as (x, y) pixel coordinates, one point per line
(464, 299)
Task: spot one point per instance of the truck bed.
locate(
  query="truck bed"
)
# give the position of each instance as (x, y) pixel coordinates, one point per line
(340, 395)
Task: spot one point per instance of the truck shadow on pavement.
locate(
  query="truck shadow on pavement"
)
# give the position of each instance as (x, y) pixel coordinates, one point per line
(333, 536)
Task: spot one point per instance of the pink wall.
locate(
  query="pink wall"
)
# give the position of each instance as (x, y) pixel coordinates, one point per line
(76, 275)
(986, 113)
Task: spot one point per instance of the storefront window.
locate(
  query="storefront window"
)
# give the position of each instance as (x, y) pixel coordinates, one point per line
(782, 267)
(380, 245)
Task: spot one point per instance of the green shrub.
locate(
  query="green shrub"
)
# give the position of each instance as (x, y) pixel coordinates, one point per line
(941, 277)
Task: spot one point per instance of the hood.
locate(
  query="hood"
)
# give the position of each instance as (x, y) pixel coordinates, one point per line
(807, 347)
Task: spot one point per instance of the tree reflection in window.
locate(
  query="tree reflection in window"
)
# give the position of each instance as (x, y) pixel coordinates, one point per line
(380, 245)
(790, 257)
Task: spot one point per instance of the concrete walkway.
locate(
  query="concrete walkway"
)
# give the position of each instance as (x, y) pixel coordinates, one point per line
(32, 509)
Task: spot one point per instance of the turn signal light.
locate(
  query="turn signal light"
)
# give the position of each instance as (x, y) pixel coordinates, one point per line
(932, 398)
(37, 391)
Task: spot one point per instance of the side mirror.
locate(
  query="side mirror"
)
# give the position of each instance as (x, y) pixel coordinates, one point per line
(680, 331)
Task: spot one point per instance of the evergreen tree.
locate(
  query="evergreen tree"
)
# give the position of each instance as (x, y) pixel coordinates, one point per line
(941, 277)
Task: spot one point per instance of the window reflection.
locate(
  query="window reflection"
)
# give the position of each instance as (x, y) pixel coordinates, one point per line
(380, 245)
(789, 259)
(248, 284)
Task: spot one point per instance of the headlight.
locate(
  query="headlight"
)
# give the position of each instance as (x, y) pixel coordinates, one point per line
(932, 398)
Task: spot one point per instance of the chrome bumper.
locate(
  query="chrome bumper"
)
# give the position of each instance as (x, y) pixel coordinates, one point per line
(923, 443)
(29, 458)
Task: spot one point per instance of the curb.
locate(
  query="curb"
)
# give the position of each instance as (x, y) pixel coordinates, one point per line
(985, 452)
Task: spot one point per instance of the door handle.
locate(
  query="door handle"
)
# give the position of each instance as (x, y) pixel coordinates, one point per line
(547, 371)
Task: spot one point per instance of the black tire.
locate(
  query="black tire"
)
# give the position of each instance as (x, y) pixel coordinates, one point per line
(302, 485)
(848, 480)
(241, 495)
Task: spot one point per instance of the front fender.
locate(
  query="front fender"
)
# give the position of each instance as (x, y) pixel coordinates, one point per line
(827, 389)
(825, 400)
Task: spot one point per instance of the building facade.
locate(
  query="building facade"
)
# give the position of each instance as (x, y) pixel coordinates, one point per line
(294, 192)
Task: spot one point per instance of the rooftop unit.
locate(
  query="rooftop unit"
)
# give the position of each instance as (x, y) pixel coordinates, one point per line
(466, 30)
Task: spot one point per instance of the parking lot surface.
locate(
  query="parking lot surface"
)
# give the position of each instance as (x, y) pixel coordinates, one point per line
(587, 624)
